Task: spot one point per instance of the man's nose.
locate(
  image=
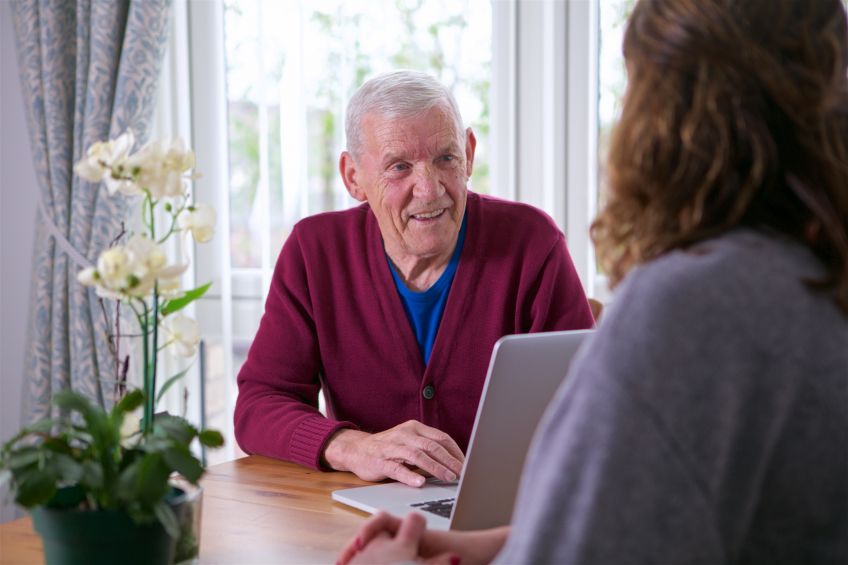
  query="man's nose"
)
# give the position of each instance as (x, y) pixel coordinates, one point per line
(427, 184)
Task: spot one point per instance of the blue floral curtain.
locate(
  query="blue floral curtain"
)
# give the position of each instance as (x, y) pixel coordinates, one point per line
(88, 70)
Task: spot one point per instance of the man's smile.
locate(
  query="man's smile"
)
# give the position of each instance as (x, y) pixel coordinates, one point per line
(428, 216)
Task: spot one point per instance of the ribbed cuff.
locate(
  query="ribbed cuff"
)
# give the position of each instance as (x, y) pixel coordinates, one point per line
(307, 441)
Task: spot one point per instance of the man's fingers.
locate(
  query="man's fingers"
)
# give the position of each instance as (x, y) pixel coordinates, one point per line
(441, 456)
(444, 440)
(378, 456)
(399, 472)
(423, 461)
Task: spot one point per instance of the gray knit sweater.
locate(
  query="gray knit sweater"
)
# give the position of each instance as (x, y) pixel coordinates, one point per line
(705, 422)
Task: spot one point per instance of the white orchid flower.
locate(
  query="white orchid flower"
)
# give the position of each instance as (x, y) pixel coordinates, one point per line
(177, 157)
(124, 186)
(200, 220)
(130, 427)
(133, 270)
(183, 334)
(160, 166)
(146, 256)
(106, 161)
(90, 168)
(113, 267)
(147, 264)
(170, 287)
(88, 276)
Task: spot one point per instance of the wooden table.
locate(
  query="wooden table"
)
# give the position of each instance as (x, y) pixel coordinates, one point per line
(255, 510)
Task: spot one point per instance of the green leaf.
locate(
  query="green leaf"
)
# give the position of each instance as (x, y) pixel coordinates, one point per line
(174, 427)
(211, 438)
(58, 444)
(23, 457)
(170, 383)
(40, 427)
(92, 476)
(130, 402)
(74, 401)
(182, 461)
(177, 304)
(104, 435)
(68, 469)
(145, 480)
(36, 488)
(167, 518)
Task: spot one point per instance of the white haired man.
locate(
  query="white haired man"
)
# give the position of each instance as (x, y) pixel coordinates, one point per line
(393, 307)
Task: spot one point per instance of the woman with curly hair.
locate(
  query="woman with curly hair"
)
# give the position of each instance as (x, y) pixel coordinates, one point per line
(705, 421)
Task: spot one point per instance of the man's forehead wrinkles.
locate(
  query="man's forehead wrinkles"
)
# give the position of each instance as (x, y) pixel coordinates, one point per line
(399, 142)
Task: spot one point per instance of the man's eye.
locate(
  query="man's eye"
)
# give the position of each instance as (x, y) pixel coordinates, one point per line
(399, 167)
(448, 158)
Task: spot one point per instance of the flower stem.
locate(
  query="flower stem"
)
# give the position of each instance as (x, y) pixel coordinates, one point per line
(147, 424)
(155, 351)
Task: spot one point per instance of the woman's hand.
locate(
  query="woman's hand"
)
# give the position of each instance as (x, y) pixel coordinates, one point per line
(388, 539)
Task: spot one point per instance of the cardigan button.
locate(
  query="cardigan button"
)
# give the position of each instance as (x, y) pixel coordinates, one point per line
(429, 392)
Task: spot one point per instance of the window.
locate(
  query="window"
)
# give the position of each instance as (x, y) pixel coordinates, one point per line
(612, 77)
(538, 81)
(291, 66)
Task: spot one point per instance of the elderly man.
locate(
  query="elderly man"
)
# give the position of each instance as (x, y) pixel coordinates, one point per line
(393, 307)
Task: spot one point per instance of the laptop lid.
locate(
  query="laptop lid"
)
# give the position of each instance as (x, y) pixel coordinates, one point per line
(524, 372)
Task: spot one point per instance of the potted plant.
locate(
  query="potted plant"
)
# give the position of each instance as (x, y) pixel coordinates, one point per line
(98, 479)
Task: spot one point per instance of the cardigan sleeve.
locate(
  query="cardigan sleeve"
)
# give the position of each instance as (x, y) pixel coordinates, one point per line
(557, 300)
(276, 412)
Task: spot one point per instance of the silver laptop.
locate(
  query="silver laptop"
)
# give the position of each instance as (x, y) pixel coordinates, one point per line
(524, 373)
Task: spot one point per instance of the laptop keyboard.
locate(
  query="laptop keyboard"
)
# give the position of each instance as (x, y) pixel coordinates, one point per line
(441, 508)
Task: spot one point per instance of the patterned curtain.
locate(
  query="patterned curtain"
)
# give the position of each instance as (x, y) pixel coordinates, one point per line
(88, 70)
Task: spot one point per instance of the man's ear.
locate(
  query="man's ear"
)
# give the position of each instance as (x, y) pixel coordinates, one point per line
(470, 146)
(347, 168)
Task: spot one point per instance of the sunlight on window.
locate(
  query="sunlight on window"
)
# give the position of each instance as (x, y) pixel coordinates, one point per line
(292, 65)
(612, 78)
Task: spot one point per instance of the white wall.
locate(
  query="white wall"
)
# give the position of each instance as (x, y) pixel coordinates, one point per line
(17, 217)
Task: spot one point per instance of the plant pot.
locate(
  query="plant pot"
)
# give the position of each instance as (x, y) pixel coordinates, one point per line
(187, 548)
(85, 537)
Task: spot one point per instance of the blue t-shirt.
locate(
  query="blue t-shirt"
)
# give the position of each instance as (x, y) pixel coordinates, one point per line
(424, 309)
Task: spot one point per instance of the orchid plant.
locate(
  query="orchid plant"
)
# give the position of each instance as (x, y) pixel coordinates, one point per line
(97, 461)
(138, 274)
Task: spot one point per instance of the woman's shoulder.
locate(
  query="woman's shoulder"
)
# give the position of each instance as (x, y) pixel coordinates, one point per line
(736, 272)
(745, 291)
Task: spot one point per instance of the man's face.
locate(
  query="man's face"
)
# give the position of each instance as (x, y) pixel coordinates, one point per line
(413, 174)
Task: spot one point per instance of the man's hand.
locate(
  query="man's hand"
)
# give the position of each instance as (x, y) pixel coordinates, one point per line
(374, 457)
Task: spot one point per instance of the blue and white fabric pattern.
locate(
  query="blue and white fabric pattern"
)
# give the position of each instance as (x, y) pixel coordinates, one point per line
(89, 71)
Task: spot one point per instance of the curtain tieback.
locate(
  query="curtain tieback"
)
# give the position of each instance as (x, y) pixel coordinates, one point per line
(61, 240)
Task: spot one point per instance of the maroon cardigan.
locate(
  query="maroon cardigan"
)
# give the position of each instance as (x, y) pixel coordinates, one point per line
(334, 320)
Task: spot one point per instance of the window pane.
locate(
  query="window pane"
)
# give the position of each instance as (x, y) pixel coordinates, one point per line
(612, 78)
(292, 65)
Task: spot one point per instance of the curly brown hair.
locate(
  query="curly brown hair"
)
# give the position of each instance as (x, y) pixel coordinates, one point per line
(735, 113)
